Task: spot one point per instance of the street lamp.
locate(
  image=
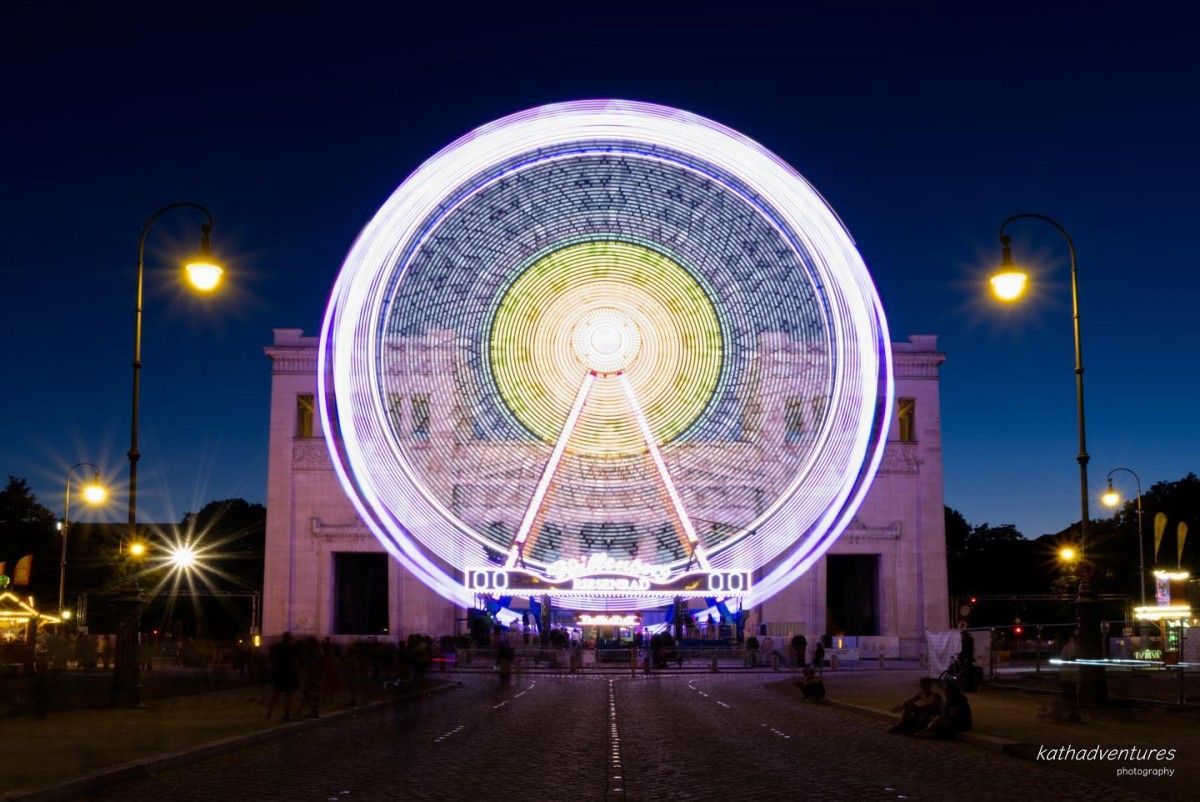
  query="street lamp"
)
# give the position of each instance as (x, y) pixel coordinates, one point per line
(1112, 498)
(204, 274)
(1067, 554)
(94, 494)
(182, 557)
(1008, 284)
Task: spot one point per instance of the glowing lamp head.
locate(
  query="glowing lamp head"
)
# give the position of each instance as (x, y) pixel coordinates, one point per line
(95, 493)
(1067, 554)
(1009, 285)
(183, 557)
(202, 272)
(137, 549)
(204, 275)
(1111, 497)
(65, 615)
(1008, 282)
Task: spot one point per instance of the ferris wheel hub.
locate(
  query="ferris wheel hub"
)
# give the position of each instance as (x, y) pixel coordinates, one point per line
(606, 340)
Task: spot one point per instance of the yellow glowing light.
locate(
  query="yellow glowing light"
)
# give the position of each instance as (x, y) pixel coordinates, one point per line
(608, 307)
(137, 549)
(1067, 554)
(66, 615)
(94, 493)
(204, 276)
(1111, 498)
(1171, 575)
(1009, 285)
(1171, 612)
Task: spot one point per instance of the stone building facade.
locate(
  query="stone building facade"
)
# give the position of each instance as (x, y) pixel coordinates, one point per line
(884, 579)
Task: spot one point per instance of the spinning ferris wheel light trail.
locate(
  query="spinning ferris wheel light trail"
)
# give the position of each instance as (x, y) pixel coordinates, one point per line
(685, 523)
(539, 494)
(612, 350)
(608, 344)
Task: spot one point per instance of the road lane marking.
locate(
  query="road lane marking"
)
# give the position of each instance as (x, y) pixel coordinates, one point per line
(616, 774)
(454, 731)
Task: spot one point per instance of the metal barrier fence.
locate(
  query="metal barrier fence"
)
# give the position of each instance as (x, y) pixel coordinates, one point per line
(548, 657)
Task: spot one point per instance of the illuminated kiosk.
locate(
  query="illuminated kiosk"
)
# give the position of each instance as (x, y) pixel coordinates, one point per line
(608, 353)
(1171, 612)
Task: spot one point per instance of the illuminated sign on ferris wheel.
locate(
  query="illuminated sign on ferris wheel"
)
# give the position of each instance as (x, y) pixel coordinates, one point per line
(607, 351)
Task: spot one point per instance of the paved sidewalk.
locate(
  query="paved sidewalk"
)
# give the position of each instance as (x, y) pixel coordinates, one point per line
(72, 752)
(1017, 723)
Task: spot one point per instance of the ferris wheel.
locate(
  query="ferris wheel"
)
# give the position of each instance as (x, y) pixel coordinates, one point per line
(609, 351)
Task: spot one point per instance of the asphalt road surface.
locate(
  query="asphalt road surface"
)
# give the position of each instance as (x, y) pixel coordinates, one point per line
(547, 737)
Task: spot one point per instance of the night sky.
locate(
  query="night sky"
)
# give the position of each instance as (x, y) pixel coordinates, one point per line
(923, 126)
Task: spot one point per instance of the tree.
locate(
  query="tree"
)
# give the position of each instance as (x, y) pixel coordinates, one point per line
(957, 532)
(1116, 540)
(237, 531)
(19, 506)
(228, 537)
(27, 527)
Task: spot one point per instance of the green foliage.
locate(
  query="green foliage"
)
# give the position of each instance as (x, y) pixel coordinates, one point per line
(1115, 541)
(27, 527)
(19, 506)
(236, 530)
(989, 559)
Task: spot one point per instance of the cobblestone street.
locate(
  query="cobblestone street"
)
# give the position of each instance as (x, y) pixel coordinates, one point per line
(610, 737)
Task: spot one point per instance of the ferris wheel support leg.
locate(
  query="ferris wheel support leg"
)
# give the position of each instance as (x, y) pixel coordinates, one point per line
(676, 502)
(516, 549)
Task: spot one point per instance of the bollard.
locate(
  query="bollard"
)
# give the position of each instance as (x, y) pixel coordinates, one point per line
(646, 663)
(833, 661)
(714, 663)
(881, 660)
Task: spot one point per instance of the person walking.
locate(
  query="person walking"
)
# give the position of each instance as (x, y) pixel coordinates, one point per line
(285, 675)
(105, 651)
(800, 647)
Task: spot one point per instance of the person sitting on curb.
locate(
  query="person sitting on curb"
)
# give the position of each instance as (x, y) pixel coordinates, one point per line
(811, 686)
(918, 710)
(955, 715)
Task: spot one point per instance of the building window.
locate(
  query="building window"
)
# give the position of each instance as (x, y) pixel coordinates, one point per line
(360, 593)
(907, 417)
(793, 420)
(420, 416)
(304, 415)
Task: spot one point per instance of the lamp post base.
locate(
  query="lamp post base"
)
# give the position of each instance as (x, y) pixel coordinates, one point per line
(127, 671)
(1093, 684)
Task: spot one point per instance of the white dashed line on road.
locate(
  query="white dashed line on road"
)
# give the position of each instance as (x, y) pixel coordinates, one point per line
(441, 738)
(616, 774)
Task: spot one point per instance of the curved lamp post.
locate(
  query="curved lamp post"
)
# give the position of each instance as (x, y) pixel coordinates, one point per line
(94, 494)
(1112, 498)
(1008, 284)
(204, 274)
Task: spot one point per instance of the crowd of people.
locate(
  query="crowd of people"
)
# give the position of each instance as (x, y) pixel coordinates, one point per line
(323, 671)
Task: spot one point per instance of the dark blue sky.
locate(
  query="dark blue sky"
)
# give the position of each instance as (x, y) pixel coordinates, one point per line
(923, 125)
